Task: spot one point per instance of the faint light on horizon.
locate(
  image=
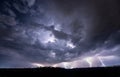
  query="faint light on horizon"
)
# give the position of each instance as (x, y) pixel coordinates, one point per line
(37, 65)
(82, 62)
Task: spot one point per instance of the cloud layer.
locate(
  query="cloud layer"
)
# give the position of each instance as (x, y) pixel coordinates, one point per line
(59, 33)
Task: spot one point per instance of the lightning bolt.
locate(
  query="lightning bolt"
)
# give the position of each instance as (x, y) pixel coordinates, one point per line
(101, 61)
(89, 61)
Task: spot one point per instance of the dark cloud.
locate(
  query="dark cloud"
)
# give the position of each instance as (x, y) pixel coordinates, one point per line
(55, 31)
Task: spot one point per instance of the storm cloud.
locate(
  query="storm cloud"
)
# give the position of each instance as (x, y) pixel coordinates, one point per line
(59, 33)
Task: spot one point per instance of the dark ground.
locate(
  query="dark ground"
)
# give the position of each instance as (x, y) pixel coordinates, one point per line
(59, 72)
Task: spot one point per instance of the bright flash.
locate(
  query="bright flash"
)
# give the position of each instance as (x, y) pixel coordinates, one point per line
(89, 60)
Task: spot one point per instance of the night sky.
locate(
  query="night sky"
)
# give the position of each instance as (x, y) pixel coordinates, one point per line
(59, 33)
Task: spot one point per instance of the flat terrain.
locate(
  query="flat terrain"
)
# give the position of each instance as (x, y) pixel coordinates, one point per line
(48, 71)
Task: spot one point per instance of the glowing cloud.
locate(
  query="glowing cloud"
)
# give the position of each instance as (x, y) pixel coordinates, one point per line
(70, 45)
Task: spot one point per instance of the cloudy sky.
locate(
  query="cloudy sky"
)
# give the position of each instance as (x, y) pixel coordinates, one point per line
(59, 33)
